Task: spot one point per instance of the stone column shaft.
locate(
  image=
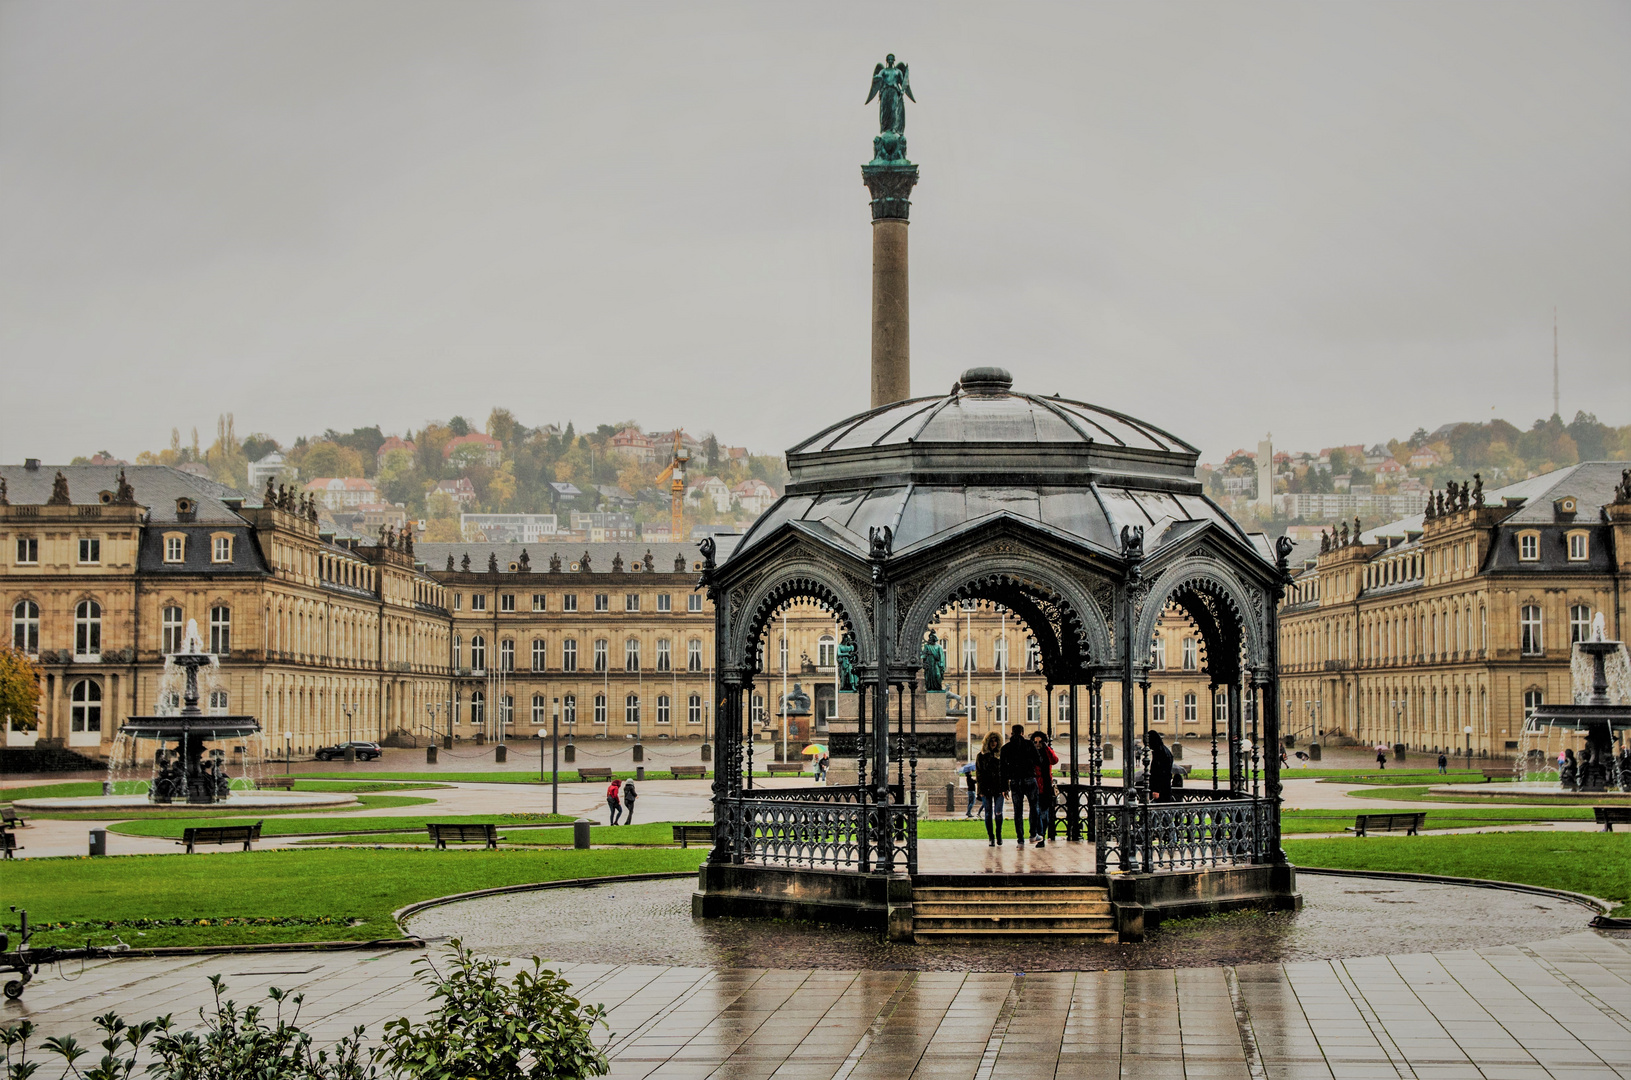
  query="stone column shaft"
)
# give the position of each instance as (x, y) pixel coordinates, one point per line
(891, 321)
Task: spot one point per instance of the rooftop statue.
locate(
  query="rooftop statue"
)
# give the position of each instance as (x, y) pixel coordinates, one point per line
(464, 563)
(1622, 490)
(525, 560)
(4, 499)
(1477, 491)
(59, 491)
(450, 563)
(492, 563)
(555, 562)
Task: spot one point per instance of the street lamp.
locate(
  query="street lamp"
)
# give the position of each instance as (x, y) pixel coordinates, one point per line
(350, 750)
(1468, 730)
(554, 757)
(287, 736)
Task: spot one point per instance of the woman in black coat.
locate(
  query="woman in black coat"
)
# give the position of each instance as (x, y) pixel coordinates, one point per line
(1160, 769)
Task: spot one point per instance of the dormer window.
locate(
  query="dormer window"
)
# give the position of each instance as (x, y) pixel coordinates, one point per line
(1529, 546)
(221, 549)
(1579, 547)
(175, 548)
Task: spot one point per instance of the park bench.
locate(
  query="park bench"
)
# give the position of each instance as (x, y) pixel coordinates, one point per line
(440, 834)
(587, 775)
(687, 833)
(1409, 822)
(689, 772)
(1610, 816)
(221, 834)
(280, 783)
(786, 768)
(8, 844)
(1497, 772)
(9, 818)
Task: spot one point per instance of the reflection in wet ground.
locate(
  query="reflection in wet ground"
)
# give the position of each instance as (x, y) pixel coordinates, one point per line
(650, 923)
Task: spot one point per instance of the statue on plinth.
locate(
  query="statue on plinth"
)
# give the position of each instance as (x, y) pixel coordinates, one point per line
(892, 86)
(934, 664)
(795, 702)
(846, 663)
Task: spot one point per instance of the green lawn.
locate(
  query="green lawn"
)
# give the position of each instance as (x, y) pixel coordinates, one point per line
(1595, 863)
(193, 813)
(1387, 776)
(652, 834)
(1422, 794)
(300, 826)
(331, 894)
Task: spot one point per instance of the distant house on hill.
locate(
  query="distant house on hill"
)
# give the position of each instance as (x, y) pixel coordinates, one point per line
(460, 490)
(342, 492)
(754, 496)
(636, 444)
(712, 488)
(272, 467)
(390, 444)
(1424, 459)
(491, 451)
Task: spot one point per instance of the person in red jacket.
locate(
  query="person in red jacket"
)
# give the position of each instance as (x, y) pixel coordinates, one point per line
(1042, 824)
(614, 800)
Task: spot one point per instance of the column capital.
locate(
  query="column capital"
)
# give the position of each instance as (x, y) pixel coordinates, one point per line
(891, 186)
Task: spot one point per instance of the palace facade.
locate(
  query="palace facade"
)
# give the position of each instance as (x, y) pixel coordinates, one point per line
(1414, 631)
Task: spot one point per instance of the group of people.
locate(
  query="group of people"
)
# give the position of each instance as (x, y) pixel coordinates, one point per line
(620, 796)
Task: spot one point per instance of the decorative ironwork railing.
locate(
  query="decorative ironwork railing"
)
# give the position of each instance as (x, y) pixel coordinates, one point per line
(850, 793)
(1190, 835)
(829, 834)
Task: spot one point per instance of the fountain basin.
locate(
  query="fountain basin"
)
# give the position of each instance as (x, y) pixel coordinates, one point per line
(237, 801)
(1507, 789)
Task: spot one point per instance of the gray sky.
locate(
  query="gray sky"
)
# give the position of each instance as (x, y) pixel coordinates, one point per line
(1333, 221)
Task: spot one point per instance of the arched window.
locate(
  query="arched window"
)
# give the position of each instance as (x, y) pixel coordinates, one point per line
(1064, 709)
(971, 654)
(569, 709)
(600, 708)
(1001, 654)
(218, 702)
(1191, 709)
(600, 654)
(506, 655)
(478, 653)
(1533, 698)
(1033, 655)
(693, 709)
(1191, 654)
(631, 654)
(540, 654)
(86, 711)
(221, 630)
(631, 709)
(1002, 706)
(1220, 707)
(665, 655)
(478, 706)
(1579, 622)
(1158, 653)
(1033, 709)
(1529, 629)
(781, 651)
(756, 709)
(826, 651)
(506, 706)
(1158, 708)
(88, 631)
(569, 654)
(693, 655)
(663, 703)
(540, 711)
(170, 630)
(25, 626)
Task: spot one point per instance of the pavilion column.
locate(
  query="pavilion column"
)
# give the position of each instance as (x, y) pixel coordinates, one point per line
(727, 767)
(1073, 811)
(1271, 731)
(1236, 773)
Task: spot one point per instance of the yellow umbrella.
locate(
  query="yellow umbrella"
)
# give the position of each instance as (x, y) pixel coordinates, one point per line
(814, 749)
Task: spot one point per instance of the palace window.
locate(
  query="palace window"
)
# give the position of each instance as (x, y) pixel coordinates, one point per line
(693, 709)
(569, 709)
(506, 655)
(1002, 708)
(1033, 709)
(1220, 707)
(175, 549)
(662, 709)
(221, 630)
(540, 711)
(600, 708)
(1529, 547)
(781, 651)
(1191, 709)
(506, 601)
(478, 601)
(458, 650)
(1191, 654)
(971, 654)
(826, 651)
(478, 653)
(221, 549)
(540, 602)
(631, 654)
(540, 654)
(88, 628)
(1579, 623)
(1158, 708)
(506, 709)
(478, 705)
(1529, 629)
(1158, 653)
(1033, 655)
(665, 655)
(603, 602)
(86, 712)
(1064, 709)
(28, 550)
(631, 601)
(1532, 700)
(569, 602)
(25, 626)
(756, 709)
(458, 600)
(1579, 547)
(693, 655)
(170, 630)
(90, 551)
(601, 654)
(218, 702)
(1000, 654)
(665, 602)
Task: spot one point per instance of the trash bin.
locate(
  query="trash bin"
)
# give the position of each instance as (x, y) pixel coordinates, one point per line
(447, 742)
(1398, 751)
(1109, 752)
(430, 754)
(639, 772)
(580, 834)
(951, 798)
(501, 754)
(99, 841)
(639, 752)
(1313, 751)
(569, 754)
(707, 752)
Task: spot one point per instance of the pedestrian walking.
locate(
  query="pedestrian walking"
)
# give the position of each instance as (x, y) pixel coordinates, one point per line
(1381, 757)
(1019, 773)
(821, 769)
(1443, 762)
(989, 783)
(629, 795)
(1160, 769)
(967, 773)
(614, 799)
(1043, 821)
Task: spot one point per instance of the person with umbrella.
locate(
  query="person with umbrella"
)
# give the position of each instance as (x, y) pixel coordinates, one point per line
(967, 773)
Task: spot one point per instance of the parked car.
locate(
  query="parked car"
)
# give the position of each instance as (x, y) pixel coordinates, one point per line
(366, 751)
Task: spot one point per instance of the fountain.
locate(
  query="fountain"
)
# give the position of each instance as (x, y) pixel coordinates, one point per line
(1596, 714)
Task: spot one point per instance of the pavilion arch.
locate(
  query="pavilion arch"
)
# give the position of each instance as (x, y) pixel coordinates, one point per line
(1217, 600)
(797, 580)
(1069, 628)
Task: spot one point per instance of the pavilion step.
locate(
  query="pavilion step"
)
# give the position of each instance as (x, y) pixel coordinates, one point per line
(1029, 931)
(1076, 911)
(1045, 895)
(1009, 907)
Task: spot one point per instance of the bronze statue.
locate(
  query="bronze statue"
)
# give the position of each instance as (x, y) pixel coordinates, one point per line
(583, 563)
(1282, 552)
(846, 663)
(679, 564)
(892, 86)
(1356, 530)
(407, 540)
(59, 491)
(1622, 490)
(934, 664)
(269, 497)
(5, 500)
(707, 547)
(124, 495)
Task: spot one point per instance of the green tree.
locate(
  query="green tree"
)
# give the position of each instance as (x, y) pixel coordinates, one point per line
(459, 426)
(19, 688)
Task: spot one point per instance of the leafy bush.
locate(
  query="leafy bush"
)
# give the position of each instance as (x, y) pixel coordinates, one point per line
(483, 1027)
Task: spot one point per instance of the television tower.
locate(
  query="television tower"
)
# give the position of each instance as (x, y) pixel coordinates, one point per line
(1555, 411)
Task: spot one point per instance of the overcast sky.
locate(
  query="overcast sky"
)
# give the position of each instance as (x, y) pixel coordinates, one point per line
(1333, 221)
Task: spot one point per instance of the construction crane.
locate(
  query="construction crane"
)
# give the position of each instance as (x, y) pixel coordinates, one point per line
(676, 472)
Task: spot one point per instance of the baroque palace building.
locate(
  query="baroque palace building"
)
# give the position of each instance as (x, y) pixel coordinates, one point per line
(1414, 631)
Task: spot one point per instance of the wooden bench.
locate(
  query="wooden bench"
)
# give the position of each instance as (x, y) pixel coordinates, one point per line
(1409, 822)
(586, 775)
(9, 818)
(280, 783)
(440, 834)
(689, 772)
(221, 834)
(786, 768)
(1610, 816)
(687, 833)
(1497, 772)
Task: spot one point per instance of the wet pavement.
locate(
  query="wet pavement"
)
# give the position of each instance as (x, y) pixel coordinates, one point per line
(650, 923)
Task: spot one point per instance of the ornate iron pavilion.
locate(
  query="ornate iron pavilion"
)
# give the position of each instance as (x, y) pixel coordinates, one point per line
(1085, 523)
